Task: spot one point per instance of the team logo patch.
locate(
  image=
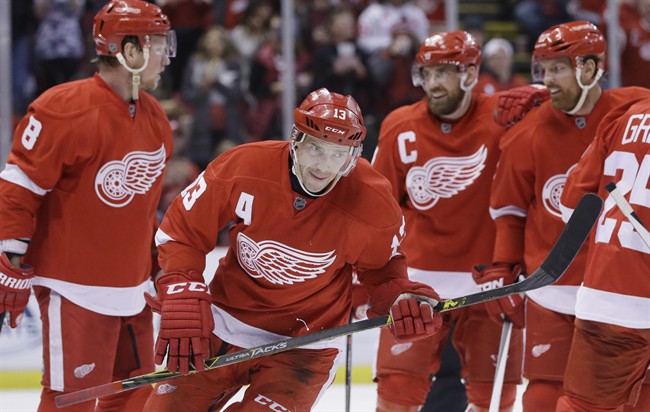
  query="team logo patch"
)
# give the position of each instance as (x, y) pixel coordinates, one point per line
(83, 370)
(118, 181)
(443, 178)
(399, 348)
(552, 191)
(165, 388)
(539, 350)
(278, 263)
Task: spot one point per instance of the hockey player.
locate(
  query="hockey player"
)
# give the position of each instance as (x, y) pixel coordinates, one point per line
(440, 155)
(538, 154)
(307, 213)
(610, 352)
(78, 199)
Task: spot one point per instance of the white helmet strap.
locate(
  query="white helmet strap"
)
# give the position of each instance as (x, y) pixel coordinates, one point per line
(585, 89)
(136, 72)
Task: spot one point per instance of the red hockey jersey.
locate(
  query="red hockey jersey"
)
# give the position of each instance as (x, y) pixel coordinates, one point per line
(83, 181)
(538, 154)
(616, 287)
(441, 173)
(288, 271)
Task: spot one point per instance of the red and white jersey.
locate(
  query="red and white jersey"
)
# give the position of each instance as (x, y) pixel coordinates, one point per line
(441, 173)
(538, 154)
(83, 181)
(616, 286)
(288, 271)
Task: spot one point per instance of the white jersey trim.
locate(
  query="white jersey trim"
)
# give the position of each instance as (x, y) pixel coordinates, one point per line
(14, 174)
(507, 211)
(232, 330)
(161, 238)
(558, 298)
(447, 284)
(105, 300)
(613, 308)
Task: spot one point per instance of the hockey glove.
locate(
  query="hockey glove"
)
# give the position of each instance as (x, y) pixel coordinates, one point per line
(498, 275)
(186, 322)
(15, 287)
(411, 308)
(513, 104)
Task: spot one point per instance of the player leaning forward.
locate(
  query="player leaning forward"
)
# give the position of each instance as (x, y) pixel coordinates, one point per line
(78, 199)
(306, 214)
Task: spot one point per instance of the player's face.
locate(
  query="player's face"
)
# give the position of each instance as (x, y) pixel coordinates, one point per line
(319, 162)
(442, 86)
(559, 77)
(158, 60)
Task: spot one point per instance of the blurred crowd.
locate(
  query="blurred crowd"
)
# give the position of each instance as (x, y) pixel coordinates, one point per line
(224, 86)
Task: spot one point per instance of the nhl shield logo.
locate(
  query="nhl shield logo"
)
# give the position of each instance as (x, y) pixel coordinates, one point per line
(580, 122)
(445, 127)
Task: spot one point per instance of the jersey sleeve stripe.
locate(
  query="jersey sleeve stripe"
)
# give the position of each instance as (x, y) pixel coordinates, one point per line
(13, 173)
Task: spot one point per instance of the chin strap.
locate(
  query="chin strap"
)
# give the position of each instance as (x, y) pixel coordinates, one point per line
(585, 90)
(136, 72)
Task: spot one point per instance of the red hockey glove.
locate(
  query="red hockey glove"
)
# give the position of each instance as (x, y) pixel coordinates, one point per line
(360, 300)
(513, 104)
(495, 276)
(15, 287)
(186, 321)
(411, 308)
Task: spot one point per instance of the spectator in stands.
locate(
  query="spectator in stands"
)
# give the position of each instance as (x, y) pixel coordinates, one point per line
(535, 16)
(390, 33)
(59, 42)
(497, 68)
(23, 25)
(191, 18)
(339, 64)
(212, 85)
(635, 56)
(265, 85)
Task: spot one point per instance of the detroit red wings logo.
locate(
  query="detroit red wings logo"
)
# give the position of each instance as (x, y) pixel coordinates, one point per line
(443, 177)
(552, 192)
(118, 181)
(278, 263)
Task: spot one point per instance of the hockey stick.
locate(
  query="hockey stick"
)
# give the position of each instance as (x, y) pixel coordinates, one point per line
(2, 320)
(348, 369)
(558, 260)
(500, 370)
(627, 210)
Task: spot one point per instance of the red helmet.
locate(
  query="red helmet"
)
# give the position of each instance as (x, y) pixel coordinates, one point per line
(575, 40)
(120, 18)
(331, 117)
(454, 47)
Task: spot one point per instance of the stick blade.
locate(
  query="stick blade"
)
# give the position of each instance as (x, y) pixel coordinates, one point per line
(84, 395)
(573, 236)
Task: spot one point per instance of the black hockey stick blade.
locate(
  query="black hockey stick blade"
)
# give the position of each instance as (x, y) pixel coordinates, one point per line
(2, 320)
(556, 263)
(558, 260)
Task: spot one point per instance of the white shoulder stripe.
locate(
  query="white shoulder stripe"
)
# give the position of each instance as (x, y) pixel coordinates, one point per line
(14, 174)
(508, 211)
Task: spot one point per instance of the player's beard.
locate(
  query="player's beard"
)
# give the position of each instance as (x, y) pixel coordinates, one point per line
(446, 105)
(565, 99)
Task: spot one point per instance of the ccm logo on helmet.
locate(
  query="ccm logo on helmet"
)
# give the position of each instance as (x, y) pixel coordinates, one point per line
(180, 287)
(334, 130)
